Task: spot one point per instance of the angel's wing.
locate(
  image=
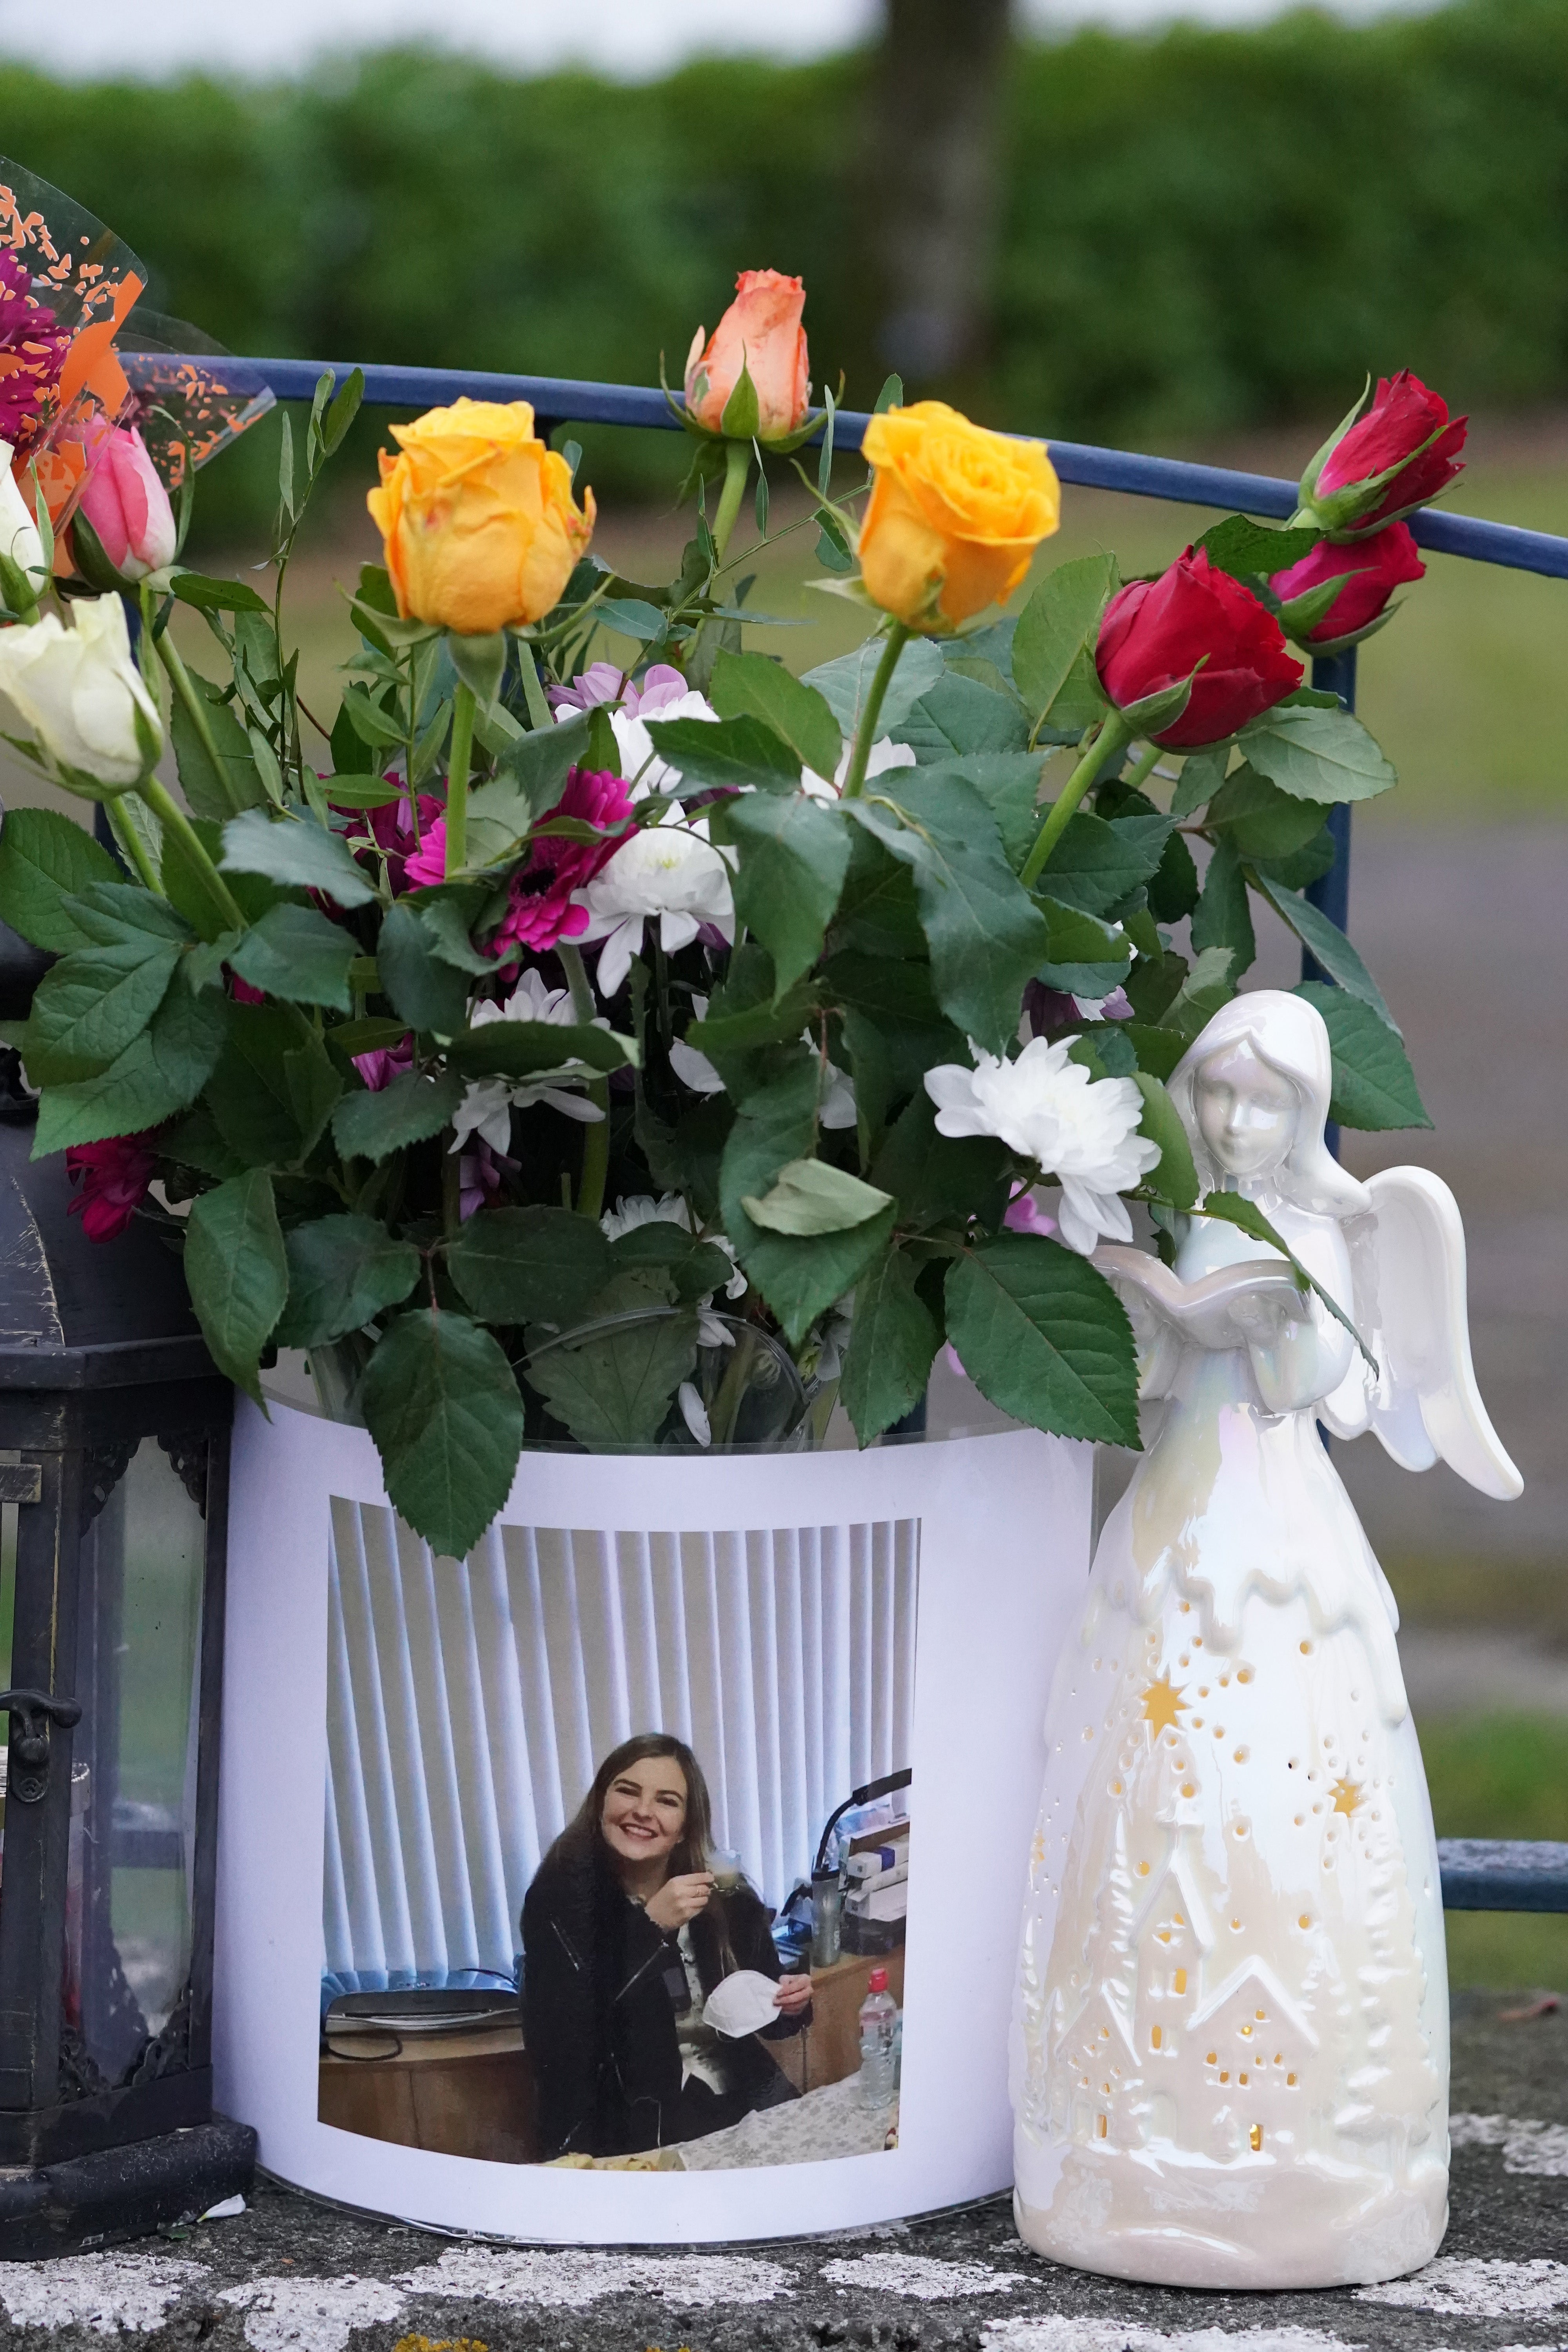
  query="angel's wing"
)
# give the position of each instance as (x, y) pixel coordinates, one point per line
(1425, 1406)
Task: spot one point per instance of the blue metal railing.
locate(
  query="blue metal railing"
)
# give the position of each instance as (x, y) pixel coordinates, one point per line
(1478, 1874)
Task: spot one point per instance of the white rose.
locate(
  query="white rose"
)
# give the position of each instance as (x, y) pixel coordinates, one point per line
(80, 691)
(1080, 1130)
(19, 532)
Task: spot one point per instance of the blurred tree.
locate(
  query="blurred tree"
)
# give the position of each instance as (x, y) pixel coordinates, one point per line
(931, 201)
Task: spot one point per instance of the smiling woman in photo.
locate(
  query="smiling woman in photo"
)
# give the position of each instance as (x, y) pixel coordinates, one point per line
(625, 1936)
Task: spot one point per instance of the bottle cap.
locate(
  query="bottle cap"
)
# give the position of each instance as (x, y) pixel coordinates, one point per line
(878, 1980)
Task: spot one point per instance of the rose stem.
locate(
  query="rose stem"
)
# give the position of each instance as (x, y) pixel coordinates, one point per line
(597, 1135)
(457, 779)
(854, 781)
(1141, 770)
(737, 466)
(174, 819)
(180, 678)
(1112, 735)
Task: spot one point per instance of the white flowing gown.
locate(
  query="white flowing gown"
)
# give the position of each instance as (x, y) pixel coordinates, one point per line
(1230, 2041)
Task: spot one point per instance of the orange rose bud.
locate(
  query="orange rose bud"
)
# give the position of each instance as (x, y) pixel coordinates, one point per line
(761, 331)
(954, 516)
(477, 515)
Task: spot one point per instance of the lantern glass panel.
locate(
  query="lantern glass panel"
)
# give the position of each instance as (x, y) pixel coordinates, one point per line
(129, 1914)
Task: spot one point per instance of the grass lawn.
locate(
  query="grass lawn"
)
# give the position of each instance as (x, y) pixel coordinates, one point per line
(1501, 1776)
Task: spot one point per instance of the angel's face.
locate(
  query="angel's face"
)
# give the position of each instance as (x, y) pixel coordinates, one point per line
(1247, 1112)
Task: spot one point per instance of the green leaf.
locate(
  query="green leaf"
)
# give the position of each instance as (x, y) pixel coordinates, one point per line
(1158, 1050)
(1044, 1337)
(613, 1388)
(1096, 862)
(1083, 956)
(210, 792)
(523, 1049)
(415, 1107)
(1330, 945)
(1375, 1086)
(237, 1272)
(876, 914)
(162, 1071)
(313, 1085)
(209, 595)
(530, 1265)
(750, 685)
(799, 1277)
(249, 1093)
(844, 684)
(892, 1345)
(377, 727)
(1317, 755)
(479, 662)
(440, 1400)
(342, 1273)
(959, 714)
(986, 935)
(695, 1268)
(95, 1003)
(795, 855)
(427, 992)
(813, 1196)
(1262, 820)
(1053, 646)
(341, 412)
(294, 952)
(447, 919)
(296, 852)
(1222, 918)
(937, 1179)
(538, 765)
(1234, 1209)
(742, 414)
(1202, 772)
(46, 859)
(734, 752)
(1244, 548)
(1174, 885)
(1207, 987)
(1009, 784)
(1177, 1176)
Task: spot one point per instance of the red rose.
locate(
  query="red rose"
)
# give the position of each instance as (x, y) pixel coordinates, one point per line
(1408, 427)
(114, 1177)
(1371, 568)
(1156, 632)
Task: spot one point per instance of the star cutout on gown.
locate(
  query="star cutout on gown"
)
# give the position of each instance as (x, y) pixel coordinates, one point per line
(1347, 1796)
(1162, 1704)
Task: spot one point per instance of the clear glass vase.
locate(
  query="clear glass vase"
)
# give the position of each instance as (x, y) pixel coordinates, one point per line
(672, 1379)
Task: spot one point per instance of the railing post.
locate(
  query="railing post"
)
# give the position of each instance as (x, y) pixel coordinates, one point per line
(1330, 894)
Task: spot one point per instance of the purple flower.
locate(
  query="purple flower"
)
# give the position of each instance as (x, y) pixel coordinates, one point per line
(478, 1176)
(32, 353)
(386, 1063)
(602, 682)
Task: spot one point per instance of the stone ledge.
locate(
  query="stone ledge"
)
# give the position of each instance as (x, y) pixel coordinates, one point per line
(294, 2275)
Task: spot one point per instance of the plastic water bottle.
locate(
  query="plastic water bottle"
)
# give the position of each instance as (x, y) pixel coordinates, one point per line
(879, 2020)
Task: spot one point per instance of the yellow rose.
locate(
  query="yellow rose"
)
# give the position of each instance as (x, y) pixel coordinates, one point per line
(955, 515)
(480, 528)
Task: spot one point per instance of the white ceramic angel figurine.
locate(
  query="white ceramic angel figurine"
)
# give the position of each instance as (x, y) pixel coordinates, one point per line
(1230, 2052)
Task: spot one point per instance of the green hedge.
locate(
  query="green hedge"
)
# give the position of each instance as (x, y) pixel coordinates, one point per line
(1202, 230)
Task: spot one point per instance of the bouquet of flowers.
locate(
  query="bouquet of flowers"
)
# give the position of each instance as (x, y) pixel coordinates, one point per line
(542, 1046)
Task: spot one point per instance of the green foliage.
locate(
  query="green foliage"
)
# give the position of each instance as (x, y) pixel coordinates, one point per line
(613, 1387)
(530, 1265)
(1375, 1086)
(413, 1107)
(1044, 1337)
(892, 1346)
(237, 1271)
(46, 860)
(342, 1273)
(439, 1398)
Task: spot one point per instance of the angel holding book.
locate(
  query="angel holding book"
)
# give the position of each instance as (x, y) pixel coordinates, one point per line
(1230, 2039)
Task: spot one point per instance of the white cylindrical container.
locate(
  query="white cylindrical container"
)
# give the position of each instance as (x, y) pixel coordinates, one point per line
(404, 1736)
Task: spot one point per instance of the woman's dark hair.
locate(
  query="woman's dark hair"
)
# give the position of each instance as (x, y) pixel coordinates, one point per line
(581, 1843)
(582, 1835)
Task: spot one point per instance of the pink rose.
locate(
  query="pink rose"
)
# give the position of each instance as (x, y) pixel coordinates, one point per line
(761, 331)
(126, 503)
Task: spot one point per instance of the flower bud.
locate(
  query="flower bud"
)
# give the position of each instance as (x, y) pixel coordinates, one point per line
(83, 695)
(1194, 622)
(761, 332)
(125, 503)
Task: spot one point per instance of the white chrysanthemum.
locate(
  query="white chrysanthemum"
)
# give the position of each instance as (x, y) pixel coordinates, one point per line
(487, 1107)
(636, 1208)
(884, 755)
(645, 772)
(1081, 1131)
(669, 874)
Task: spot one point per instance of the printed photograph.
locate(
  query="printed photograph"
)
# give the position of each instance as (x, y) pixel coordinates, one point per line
(618, 1843)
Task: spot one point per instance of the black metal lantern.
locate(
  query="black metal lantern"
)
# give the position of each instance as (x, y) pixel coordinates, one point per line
(114, 1432)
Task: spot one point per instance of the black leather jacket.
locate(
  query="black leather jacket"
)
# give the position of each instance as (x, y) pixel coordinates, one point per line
(602, 1990)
